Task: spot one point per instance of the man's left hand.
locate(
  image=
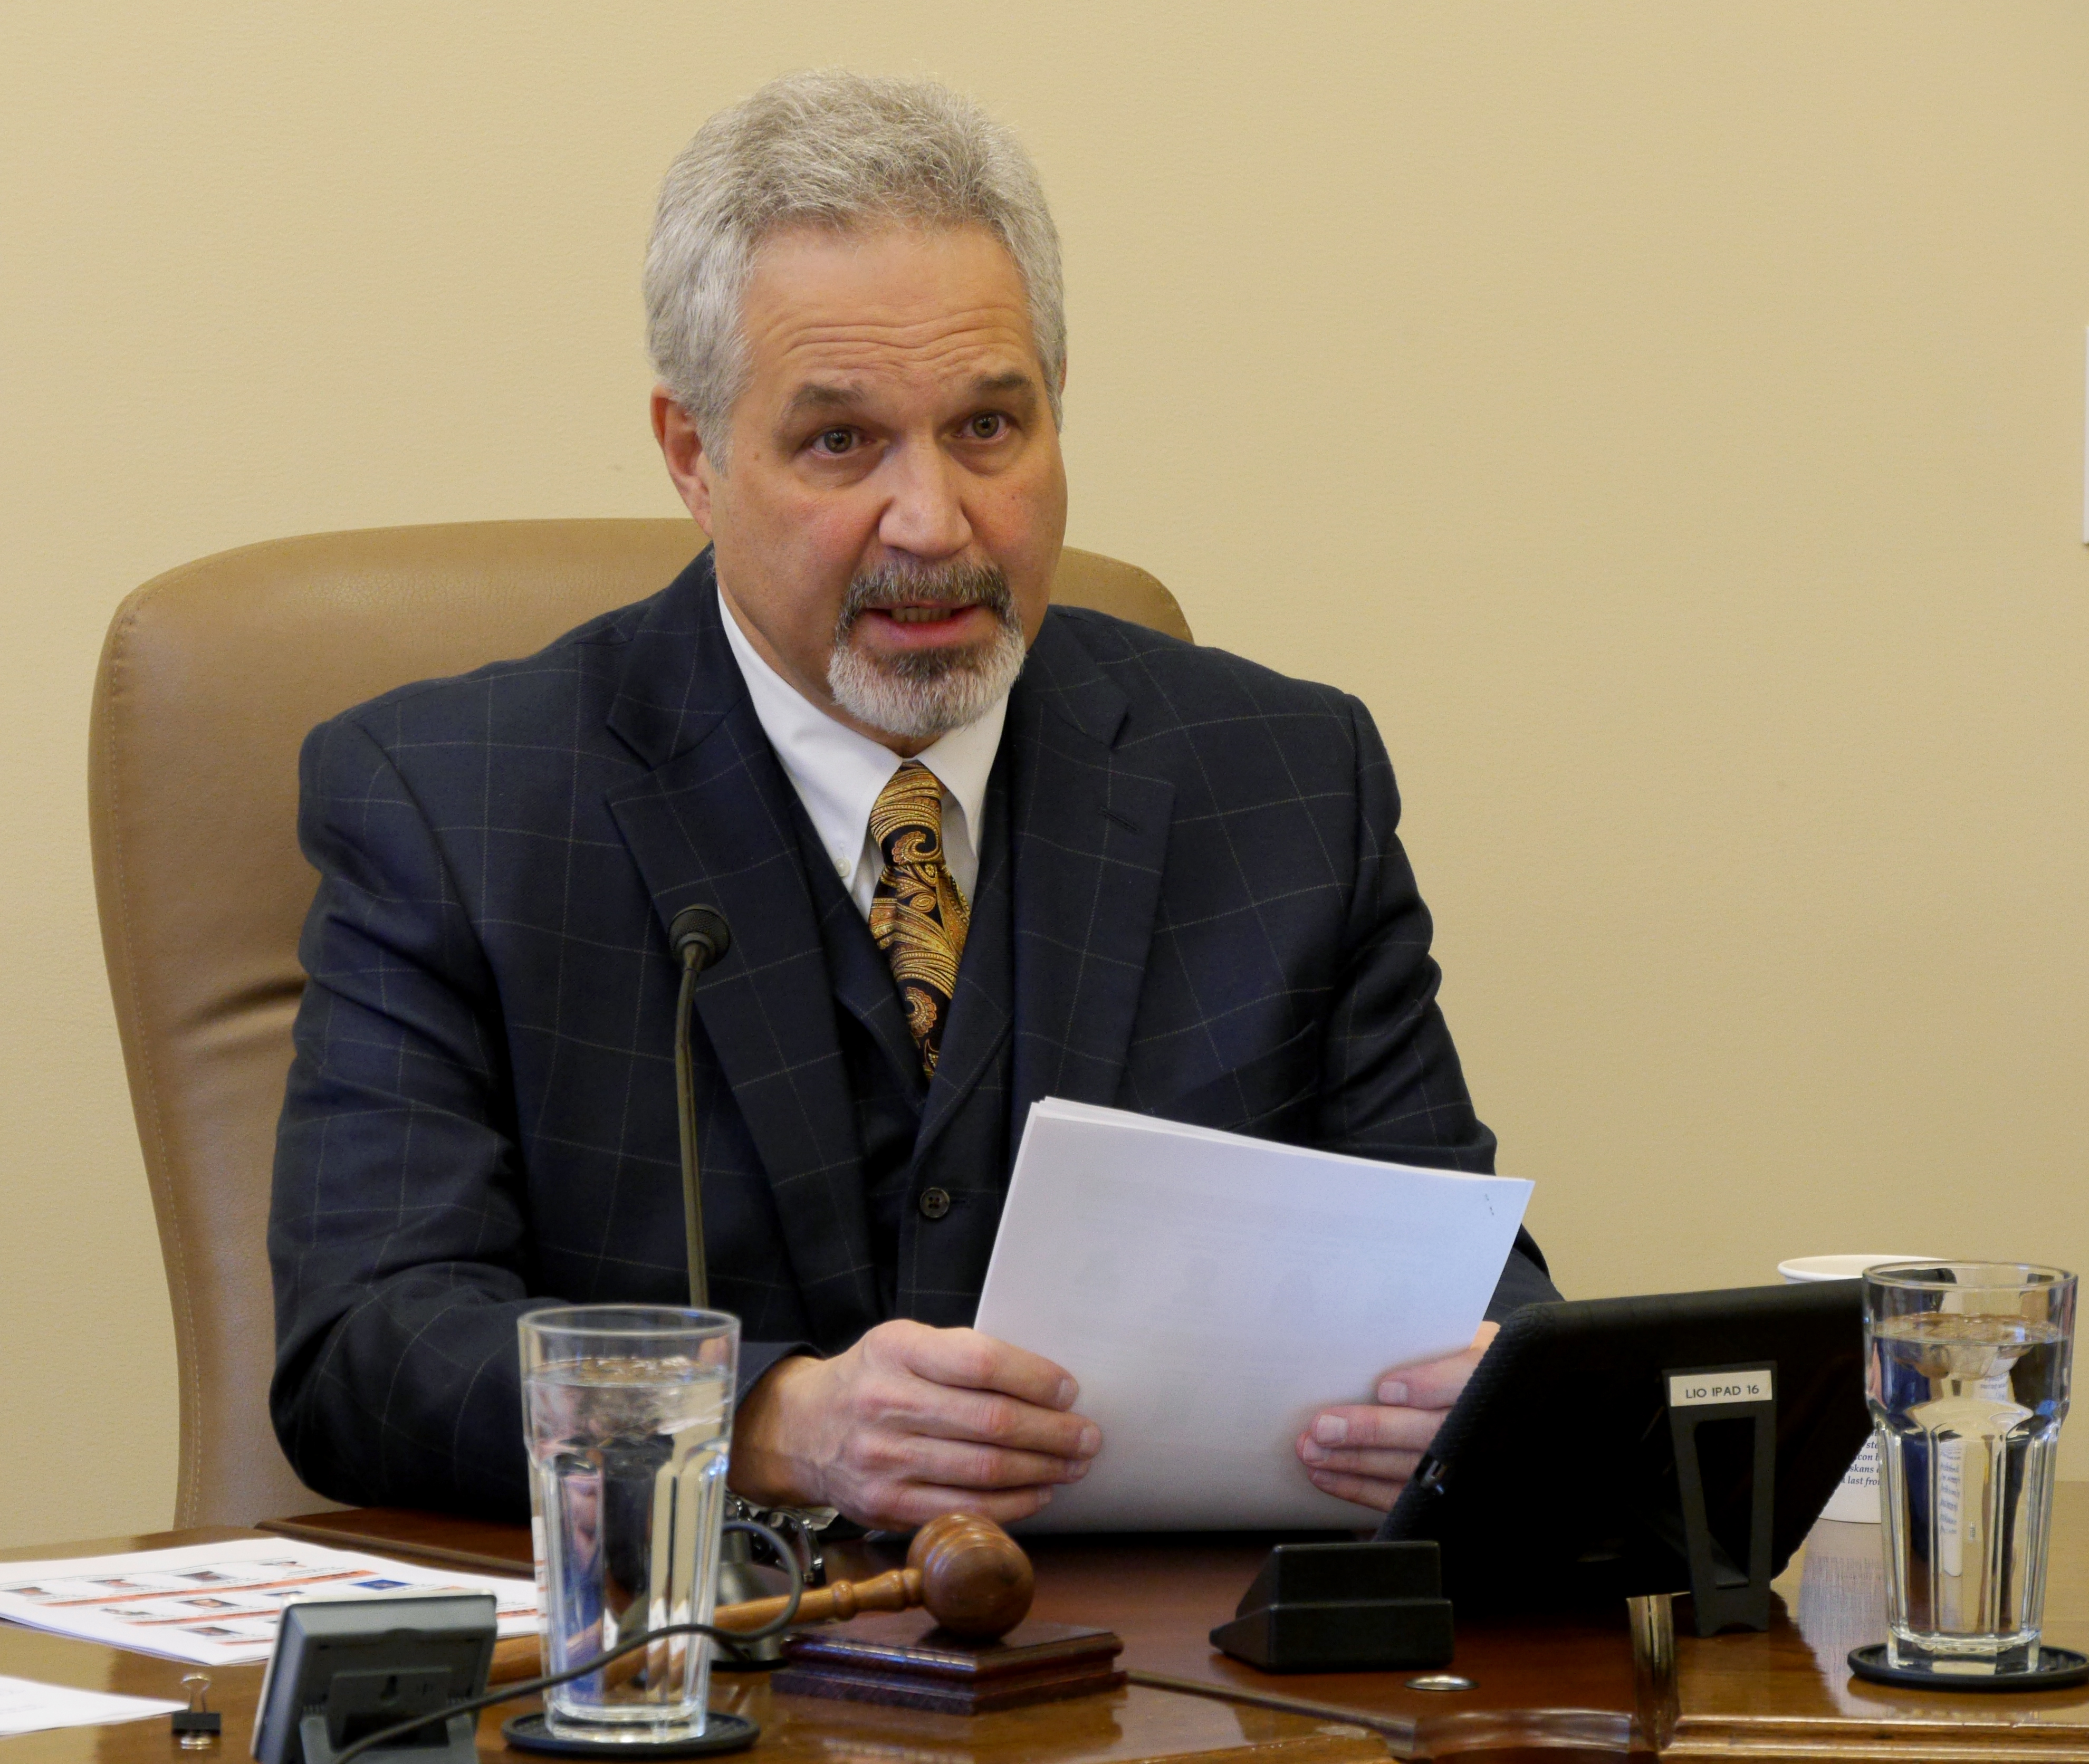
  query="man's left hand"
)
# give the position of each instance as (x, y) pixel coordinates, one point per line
(1366, 1452)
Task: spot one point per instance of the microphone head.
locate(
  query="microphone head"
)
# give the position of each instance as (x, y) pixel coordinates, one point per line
(699, 937)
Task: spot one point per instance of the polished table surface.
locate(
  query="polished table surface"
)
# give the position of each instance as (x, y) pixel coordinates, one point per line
(1544, 1690)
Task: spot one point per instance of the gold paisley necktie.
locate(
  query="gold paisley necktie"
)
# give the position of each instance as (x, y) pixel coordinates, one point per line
(917, 916)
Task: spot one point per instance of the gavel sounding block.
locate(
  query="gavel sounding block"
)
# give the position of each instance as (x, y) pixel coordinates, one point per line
(909, 1662)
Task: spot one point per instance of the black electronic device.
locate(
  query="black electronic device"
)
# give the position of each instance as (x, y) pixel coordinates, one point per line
(1565, 1476)
(1342, 1607)
(699, 938)
(344, 1668)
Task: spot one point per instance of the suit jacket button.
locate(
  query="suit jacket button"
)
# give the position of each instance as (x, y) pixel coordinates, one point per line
(935, 1202)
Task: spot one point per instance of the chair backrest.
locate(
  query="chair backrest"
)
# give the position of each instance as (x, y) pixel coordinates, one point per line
(211, 675)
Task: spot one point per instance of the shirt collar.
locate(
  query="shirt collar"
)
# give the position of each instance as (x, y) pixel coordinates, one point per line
(839, 773)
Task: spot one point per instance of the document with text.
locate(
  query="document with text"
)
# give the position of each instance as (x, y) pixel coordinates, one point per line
(1211, 1292)
(218, 1604)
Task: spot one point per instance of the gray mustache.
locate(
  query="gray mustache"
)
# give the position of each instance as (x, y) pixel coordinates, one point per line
(954, 585)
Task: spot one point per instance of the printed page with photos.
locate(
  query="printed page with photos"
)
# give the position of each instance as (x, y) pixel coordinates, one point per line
(218, 1604)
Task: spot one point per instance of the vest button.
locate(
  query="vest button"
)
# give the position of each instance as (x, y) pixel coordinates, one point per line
(935, 1202)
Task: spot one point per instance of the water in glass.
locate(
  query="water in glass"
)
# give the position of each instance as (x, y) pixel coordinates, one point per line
(627, 1466)
(1967, 1407)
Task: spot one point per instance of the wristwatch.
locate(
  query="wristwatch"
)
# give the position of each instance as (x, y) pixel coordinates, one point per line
(800, 1527)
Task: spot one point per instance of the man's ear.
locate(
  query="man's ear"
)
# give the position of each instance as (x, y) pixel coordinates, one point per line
(682, 448)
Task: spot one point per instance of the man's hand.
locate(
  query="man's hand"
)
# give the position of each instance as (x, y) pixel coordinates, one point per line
(909, 1422)
(1366, 1453)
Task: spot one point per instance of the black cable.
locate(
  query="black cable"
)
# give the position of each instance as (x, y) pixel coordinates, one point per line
(530, 1687)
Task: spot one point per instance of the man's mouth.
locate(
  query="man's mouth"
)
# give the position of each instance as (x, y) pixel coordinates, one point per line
(946, 611)
(925, 615)
(927, 629)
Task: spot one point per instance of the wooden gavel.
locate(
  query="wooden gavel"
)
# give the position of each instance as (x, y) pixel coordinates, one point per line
(970, 1575)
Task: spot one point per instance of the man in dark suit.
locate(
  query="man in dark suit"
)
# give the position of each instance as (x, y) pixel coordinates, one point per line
(972, 852)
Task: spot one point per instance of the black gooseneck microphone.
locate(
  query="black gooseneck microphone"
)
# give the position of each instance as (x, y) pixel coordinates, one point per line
(699, 937)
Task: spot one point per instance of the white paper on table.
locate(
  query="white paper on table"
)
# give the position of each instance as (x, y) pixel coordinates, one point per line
(218, 1604)
(1210, 1292)
(28, 1707)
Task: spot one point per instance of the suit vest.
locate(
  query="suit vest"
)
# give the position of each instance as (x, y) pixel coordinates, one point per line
(933, 1201)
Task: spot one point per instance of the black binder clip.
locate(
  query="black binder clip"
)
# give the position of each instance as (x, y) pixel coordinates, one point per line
(197, 1726)
(1343, 1607)
(1724, 1595)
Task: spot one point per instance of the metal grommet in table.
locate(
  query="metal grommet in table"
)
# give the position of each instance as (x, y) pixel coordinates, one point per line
(1440, 1681)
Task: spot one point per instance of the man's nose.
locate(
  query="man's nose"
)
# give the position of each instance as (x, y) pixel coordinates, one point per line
(926, 516)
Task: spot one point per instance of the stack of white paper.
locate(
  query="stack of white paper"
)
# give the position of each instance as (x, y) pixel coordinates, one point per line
(218, 1604)
(1210, 1292)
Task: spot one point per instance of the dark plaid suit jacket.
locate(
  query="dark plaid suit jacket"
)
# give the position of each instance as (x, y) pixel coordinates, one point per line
(1203, 914)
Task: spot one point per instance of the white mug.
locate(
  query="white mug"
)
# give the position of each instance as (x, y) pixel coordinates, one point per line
(1855, 1500)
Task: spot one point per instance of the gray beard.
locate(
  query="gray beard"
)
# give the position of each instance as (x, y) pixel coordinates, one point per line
(919, 696)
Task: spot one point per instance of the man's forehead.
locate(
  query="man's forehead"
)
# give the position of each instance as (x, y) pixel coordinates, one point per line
(831, 318)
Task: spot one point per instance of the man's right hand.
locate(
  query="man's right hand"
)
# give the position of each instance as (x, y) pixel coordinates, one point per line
(909, 1422)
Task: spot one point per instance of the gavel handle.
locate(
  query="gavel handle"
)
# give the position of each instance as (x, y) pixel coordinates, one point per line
(521, 1657)
(899, 1590)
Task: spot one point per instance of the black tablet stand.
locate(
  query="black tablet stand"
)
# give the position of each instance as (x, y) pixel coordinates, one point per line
(1343, 1607)
(1722, 1595)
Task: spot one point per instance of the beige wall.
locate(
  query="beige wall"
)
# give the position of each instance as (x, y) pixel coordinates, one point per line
(1668, 419)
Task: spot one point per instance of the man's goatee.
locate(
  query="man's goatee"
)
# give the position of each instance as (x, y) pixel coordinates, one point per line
(921, 694)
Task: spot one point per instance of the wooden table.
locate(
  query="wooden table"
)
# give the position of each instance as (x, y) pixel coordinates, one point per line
(1545, 1693)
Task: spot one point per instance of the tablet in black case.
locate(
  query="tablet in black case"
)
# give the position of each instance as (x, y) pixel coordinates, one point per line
(1553, 1482)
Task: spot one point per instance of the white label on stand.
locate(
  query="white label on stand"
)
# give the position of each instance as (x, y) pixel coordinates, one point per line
(1691, 1390)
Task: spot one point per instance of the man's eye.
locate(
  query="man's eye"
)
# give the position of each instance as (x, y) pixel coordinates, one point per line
(832, 441)
(990, 427)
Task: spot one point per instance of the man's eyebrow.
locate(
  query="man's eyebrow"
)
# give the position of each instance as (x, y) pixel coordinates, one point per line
(996, 385)
(814, 397)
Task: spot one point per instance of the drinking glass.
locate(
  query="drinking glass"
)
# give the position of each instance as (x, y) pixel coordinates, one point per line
(1968, 1367)
(628, 1416)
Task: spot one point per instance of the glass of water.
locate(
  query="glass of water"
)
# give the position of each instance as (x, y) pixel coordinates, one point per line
(1968, 1367)
(628, 1415)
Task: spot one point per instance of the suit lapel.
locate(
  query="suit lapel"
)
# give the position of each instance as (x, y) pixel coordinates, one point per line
(1088, 835)
(713, 822)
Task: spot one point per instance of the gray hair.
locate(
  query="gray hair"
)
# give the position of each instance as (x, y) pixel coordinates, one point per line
(834, 149)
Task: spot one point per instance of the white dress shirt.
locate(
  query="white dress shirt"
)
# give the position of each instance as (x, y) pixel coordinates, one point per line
(839, 773)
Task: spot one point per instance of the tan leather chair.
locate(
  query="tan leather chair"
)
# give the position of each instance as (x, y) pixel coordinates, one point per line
(210, 678)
